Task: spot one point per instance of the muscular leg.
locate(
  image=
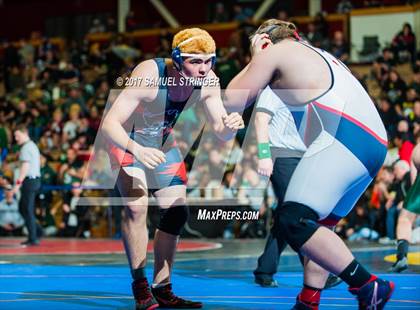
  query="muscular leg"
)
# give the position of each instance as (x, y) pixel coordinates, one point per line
(340, 184)
(173, 199)
(318, 248)
(165, 243)
(314, 275)
(132, 186)
(314, 281)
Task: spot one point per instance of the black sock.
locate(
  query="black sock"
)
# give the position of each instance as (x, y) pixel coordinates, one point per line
(138, 273)
(402, 249)
(355, 275)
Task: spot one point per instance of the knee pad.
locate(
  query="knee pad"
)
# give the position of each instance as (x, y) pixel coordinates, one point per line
(173, 219)
(295, 223)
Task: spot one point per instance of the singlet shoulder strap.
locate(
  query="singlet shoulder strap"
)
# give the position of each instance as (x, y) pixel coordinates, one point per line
(161, 63)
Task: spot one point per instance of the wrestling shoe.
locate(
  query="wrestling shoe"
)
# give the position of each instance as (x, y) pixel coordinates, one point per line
(332, 281)
(300, 305)
(167, 299)
(143, 295)
(266, 282)
(374, 294)
(400, 265)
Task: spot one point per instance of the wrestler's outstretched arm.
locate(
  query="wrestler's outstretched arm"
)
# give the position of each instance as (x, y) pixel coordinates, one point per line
(124, 106)
(224, 125)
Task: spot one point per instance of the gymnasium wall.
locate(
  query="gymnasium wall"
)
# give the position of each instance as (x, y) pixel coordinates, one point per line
(383, 22)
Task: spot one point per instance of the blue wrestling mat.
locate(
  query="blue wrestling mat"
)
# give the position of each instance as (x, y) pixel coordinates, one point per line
(108, 287)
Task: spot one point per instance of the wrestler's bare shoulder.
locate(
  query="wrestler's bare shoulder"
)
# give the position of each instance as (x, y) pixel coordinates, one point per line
(146, 68)
(138, 81)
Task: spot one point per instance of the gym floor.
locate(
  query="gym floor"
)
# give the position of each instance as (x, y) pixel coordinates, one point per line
(93, 274)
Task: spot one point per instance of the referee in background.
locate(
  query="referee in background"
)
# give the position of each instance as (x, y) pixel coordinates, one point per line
(29, 181)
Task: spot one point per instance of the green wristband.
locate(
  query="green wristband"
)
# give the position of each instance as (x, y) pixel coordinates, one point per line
(264, 150)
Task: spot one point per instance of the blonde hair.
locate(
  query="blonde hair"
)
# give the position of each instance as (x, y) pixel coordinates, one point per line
(194, 41)
(277, 30)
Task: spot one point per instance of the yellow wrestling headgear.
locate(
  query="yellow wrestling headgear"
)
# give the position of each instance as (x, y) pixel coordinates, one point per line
(192, 42)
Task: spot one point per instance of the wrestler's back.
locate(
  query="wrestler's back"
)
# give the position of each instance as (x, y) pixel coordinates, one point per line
(312, 74)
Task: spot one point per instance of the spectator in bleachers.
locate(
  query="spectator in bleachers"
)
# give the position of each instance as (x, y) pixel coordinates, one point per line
(74, 98)
(388, 115)
(372, 3)
(74, 222)
(101, 94)
(96, 57)
(10, 59)
(72, 126)
(395, 88)
(321, 25)
(397, 193)
(381, 190)
(97, 26)
(339, 48)
(131, 22)
(344, 6)
(111, 25)
(71, 171)
(403, 141)
(359, 225)
(16, 79)
(220, 14)
(48, 178)
(405, 43)
(241, 14)
(407, 105)
(314, 36)
(11, 222)
(227, 65)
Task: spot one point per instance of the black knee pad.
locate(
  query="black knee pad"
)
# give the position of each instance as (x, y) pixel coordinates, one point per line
(295, 223)
(173, 219)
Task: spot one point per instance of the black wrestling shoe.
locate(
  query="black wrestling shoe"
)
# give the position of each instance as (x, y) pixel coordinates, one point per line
(332, 281)
(266, 282)
(300, 305)
(29, 243)
(167, 299)
(399, 266)
(143, 295)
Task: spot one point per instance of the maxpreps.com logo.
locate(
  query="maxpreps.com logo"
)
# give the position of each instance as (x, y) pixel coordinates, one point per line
(219, 214)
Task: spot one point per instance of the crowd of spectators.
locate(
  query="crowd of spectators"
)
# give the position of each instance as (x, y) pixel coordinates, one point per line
(61, 95)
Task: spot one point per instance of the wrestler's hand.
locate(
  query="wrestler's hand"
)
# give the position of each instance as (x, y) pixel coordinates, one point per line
(260, 42)
(265, 166)
(150, 157)
(233, 121)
